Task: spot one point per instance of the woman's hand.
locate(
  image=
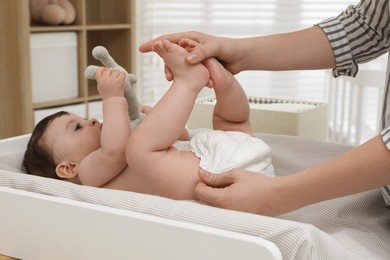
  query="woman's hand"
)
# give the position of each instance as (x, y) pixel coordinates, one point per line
(200, 47)
(239, 189)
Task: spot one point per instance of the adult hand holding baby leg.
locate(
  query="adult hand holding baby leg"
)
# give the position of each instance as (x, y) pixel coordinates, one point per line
(201, 46)
(209, 45)
(241, 190)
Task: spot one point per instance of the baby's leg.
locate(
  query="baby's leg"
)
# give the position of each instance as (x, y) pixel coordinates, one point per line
(172, 111)
(231, 111)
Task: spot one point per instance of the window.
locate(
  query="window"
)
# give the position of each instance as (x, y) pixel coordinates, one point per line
(232, 18)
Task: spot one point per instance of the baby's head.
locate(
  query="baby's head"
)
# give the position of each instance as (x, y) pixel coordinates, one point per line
(37, 159)
(58, 144)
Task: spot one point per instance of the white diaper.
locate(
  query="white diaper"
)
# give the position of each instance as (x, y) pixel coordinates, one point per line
(220, 151)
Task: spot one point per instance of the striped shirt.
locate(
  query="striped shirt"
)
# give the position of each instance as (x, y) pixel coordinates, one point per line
(359, 34)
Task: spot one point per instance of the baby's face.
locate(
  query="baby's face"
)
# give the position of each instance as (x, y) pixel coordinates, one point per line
(72, 137)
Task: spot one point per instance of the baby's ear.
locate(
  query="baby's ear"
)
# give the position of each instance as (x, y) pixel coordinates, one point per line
(67, 170)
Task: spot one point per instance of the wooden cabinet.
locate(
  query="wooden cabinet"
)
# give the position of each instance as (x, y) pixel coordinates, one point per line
(98, 22)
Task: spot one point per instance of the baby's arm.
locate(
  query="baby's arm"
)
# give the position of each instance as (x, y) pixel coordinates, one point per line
(109, 160)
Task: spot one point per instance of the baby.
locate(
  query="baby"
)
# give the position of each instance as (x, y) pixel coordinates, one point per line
(111, 155)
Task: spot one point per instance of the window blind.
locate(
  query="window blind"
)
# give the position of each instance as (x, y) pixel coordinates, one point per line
(232, 18)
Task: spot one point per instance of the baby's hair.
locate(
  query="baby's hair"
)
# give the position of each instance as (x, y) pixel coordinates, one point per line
(37, 160)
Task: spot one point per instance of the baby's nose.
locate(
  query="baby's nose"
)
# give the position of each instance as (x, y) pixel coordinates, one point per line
(93, 121)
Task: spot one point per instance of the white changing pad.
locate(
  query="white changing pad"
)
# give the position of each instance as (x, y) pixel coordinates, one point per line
(353, 227)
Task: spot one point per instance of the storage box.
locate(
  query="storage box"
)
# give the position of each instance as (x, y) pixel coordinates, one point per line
(275, 116)
(54, 66)
(78, 109)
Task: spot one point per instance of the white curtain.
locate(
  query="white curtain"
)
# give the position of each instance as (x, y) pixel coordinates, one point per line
(234, 18)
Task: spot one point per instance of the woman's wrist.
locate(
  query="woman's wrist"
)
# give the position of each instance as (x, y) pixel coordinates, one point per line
(287, 195)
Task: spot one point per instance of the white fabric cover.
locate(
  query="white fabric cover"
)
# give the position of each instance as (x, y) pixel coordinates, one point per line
(352, 227)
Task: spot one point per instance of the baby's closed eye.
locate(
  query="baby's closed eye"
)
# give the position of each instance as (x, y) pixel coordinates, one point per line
(78, 126)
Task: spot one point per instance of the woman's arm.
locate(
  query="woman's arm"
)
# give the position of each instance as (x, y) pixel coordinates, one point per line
(363, 168)
(359, 34)
(305, 49)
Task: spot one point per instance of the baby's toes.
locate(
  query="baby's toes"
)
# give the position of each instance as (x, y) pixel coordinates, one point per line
(158, 47)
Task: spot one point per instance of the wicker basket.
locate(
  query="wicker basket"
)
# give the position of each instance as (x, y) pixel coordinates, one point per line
(271, 115)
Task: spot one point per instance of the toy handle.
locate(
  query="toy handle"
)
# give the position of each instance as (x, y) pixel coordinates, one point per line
(100, 53)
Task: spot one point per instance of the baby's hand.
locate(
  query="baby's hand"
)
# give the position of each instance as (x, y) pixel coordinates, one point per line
(110, 82)
(145, 109)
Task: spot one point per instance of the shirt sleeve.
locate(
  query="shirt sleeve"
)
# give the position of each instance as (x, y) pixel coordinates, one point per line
(385, 134)
(357, 35)
(385, 191)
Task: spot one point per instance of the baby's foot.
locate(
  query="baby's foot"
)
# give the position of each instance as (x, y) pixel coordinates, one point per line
(221, 78)
(174, 58)
(188, 44)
